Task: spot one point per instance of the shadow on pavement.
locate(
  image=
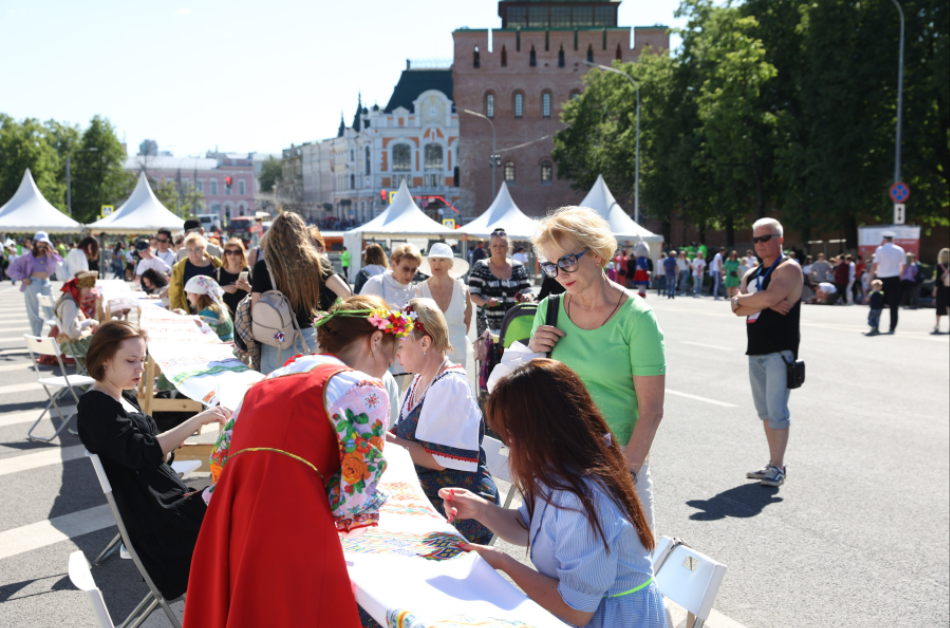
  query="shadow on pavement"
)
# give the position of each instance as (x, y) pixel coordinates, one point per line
(742, 502)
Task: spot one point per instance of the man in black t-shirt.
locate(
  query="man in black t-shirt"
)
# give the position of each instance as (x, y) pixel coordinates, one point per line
(770, 297)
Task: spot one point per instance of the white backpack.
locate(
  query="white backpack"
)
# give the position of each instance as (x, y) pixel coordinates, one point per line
(273, 321)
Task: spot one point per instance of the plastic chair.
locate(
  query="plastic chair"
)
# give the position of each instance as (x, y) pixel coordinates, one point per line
(82, 579)
(61, 385)
(688, 578)
(496, 457)
(154, 597)
(182, 468)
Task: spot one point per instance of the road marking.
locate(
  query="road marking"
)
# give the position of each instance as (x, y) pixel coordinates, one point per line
(698, 398)
(63, 528)
(8, 352)
(699, 344)
(12, 339)
(45, 458)
(15, 388)
(19, 366)
(28, 416)
(27, 328)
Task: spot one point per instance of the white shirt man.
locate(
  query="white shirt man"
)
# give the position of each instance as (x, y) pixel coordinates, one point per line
(164, 251)
(888, 266)
(150, 261)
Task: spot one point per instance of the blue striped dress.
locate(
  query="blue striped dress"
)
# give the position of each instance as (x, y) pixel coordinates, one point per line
(565, 547)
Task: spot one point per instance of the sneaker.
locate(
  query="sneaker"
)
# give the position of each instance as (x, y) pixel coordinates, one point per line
(758, 474)
(774, 477)
(874, 332)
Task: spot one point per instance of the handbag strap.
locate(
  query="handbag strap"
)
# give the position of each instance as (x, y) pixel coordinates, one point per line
(550, 316)
(293, 314)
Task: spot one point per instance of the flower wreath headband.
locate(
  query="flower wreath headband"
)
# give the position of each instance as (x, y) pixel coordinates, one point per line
(392, 322)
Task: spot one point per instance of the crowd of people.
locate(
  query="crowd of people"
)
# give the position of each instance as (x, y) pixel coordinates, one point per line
(352, 370)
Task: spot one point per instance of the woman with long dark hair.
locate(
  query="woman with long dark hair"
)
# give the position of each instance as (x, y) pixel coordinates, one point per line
(581, 518)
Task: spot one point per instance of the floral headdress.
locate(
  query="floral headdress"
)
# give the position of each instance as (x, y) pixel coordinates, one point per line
(392, 322)
(413, 315)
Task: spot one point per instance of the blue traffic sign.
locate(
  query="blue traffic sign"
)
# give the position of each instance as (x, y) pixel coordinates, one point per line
(900, 192)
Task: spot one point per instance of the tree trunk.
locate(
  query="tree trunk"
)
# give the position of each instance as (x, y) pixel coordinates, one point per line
(851, 233)
(667, 231)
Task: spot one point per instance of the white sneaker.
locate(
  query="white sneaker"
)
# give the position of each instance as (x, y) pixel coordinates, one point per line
(774, 477)
(758, 474)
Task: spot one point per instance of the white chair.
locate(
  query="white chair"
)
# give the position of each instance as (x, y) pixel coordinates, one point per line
(47, 305)
(82, 579)
(154, 597)
(182, 468)
(496, 457)
(688, 578)
(60, 385)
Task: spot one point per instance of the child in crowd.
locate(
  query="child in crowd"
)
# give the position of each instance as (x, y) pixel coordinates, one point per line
(611, 271)
(876, 301)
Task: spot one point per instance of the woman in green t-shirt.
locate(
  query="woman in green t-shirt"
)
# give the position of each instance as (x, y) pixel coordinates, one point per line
(730, 268)
(609, 337)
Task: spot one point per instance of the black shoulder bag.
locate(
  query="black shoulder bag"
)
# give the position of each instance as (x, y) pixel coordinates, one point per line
(796, 373)
(550, 316)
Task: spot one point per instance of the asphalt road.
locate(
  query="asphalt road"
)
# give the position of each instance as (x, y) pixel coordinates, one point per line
(857, 535)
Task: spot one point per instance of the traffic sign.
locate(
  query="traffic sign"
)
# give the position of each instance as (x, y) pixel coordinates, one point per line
(448, 222)
(107, 210)
(900, 192)
(899, 213)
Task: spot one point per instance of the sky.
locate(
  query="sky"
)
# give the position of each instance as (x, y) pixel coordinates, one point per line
(235, 75)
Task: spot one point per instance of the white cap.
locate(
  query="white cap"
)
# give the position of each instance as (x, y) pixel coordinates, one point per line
(888, 234)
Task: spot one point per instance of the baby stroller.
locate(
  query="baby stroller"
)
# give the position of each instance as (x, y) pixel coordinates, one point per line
(515, 327)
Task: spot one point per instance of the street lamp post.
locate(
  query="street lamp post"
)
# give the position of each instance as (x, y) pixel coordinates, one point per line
(493, 159)
(69, 189)
(900, 98)
(636, 185)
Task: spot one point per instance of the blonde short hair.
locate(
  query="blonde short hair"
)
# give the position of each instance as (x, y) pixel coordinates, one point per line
(944, 254)
(433, 322)
(575, 229)
(403, 251)
(196, 238)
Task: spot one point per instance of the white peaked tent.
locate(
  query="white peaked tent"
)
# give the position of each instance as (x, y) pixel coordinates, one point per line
(141, 213)
(27, 211)
(627, 232)
(502, 214)
(403, 219)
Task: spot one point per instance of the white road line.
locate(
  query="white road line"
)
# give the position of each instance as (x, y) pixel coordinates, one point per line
(698, 398)
(14, 329)
(9, 339)
(9, 352)
(36, 535)
(16, 418)
(44, 458)
(15, 388)
(20, 366)
(699, 344)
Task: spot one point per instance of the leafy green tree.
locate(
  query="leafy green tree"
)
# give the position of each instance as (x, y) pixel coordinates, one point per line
(65, 140)
(25, 145)
(98, 175)
(270, 172)
(186, 202)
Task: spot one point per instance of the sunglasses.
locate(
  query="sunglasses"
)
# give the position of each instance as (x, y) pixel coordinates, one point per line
(568, 264)
(163, 241)
(232, 252)
(764, 238)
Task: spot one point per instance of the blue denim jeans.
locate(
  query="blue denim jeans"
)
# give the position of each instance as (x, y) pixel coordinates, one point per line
(684, 277)
(874, 318)
(671, 287)
(36, 314)
(269, 361)
(660, 285)
(697, 286)
(768, 375)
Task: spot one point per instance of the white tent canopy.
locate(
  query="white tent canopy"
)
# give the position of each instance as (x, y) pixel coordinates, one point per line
(402, 219)
(141, 213)
(502, 214)
(28, 211)
(601, 200)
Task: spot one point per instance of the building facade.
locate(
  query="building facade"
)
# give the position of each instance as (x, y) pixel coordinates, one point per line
(535, 64)
(208, 175)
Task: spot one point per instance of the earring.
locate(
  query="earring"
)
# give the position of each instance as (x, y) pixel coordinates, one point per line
(424, 352)
(371, 356)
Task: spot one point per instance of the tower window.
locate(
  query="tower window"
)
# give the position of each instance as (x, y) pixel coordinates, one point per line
(476, 59)
(619, 53)
(547, 173)
(509, 172)
(519, 105)
(532, 58)
(490, 105)
(546, 104)
(590, 53)
(560, 57)
(504, 57)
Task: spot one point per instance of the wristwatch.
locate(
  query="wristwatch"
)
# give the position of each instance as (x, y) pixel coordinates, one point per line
(735, 302)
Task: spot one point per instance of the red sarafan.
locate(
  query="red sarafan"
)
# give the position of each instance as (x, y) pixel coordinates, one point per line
(268, 553)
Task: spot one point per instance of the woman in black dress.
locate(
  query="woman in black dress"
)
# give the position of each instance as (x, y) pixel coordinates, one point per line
(229, 275)
(162, 515)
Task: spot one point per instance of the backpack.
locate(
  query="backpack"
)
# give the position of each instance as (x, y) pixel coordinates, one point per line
(273, 320)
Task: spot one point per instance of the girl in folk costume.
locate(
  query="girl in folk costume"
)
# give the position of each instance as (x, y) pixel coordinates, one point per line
(206, 298)
(439, 419)
(641, 276)
(298, 463)
(76, 312)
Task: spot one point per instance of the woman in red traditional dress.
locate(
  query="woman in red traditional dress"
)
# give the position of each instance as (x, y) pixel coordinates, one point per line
(298, 463)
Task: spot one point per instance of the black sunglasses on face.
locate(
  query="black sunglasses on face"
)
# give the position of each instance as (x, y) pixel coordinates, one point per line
(568, 264)
(163, 241)
(764, 238)
(232, 252)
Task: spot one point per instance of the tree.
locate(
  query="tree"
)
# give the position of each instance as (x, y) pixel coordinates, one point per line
(186, 202)
(26, 145)
(65, 140)
(98, 176)
(270, 172)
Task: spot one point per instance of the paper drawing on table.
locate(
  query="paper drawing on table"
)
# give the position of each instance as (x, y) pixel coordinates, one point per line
(401, 618)
(432, 546)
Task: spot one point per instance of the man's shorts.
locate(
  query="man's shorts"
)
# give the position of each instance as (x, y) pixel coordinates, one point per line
(768, 375)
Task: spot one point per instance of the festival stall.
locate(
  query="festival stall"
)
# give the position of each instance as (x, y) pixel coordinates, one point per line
(503, 213)
(439, 583)
(141, 213)
(627, 232)
(905, 236)
(28, 211)
(402, 219)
